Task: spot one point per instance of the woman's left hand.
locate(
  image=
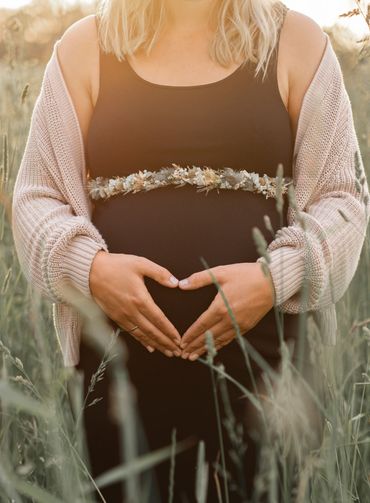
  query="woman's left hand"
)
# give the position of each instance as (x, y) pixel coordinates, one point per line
(249, 293)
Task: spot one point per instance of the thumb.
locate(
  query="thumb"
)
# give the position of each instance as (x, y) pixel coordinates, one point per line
(198, 279)
(158, 273)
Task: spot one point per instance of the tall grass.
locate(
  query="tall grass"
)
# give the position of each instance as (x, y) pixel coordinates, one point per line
(43, 453)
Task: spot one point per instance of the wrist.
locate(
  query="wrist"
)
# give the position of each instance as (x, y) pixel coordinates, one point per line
(95, 268)
(270, 287)
(75, 267)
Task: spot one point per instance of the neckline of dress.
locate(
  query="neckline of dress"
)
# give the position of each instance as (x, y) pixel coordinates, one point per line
(184, 87)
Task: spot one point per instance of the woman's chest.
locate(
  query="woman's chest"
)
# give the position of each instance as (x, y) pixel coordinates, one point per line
(238, 128)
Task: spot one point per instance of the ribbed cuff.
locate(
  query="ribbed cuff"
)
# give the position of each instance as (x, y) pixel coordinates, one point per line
(287, 271)
(77, 262)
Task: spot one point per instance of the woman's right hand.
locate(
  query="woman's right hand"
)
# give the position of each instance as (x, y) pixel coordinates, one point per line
(117, 285)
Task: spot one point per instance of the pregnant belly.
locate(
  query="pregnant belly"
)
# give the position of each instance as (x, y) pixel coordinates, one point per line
(176, 227)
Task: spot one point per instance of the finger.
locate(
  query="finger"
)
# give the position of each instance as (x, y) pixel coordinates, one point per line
(202, 278)
(219, 343)
(159, 340)
(218, 330)
(157, 317)
(143, 339)
(157, 272)
(150, 342)
(205, 321)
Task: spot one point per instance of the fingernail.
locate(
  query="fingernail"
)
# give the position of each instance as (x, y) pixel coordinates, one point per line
(177, 353)
(184, 282)
(149, 348)
(184, 355)
(174, 280)
(168, 352)
(193, 356)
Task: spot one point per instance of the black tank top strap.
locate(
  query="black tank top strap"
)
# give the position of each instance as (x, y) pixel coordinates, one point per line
(279, 10)
(282, 10)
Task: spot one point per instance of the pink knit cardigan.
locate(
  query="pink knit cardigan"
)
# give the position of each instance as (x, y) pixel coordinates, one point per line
(56, 241)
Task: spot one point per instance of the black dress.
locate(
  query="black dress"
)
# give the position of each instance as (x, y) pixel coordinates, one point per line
(239, 122)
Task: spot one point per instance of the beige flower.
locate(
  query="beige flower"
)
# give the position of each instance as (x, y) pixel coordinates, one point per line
(210, 177)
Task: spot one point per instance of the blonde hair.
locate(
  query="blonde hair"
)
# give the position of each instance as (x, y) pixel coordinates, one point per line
(246, 30)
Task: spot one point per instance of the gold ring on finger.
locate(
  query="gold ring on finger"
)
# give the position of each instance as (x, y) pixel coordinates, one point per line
(132, 329)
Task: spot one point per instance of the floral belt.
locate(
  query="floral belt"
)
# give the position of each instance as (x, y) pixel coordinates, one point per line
(205, 178)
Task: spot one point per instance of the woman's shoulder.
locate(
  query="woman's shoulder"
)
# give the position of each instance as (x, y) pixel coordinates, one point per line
(78, 55)
(302, 47)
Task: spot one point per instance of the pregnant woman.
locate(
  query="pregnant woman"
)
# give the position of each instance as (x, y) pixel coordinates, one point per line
(217, 94)
(177, 106)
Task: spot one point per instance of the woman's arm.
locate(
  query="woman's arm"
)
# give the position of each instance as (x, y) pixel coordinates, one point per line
(325, 254)
(302, 45)
(54, 244)
(55, 240)
(78, 55)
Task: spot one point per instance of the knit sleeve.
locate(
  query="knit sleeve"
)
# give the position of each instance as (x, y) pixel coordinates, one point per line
(313, 260)
(55, 246)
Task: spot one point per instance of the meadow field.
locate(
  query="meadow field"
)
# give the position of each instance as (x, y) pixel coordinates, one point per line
(43, 455)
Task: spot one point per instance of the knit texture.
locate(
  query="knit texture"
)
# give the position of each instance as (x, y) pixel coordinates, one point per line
(56, 241)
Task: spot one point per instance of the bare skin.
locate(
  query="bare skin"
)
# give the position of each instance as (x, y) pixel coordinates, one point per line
(180, 58)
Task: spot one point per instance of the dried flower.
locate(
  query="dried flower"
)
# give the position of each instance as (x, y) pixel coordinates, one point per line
(204, 178)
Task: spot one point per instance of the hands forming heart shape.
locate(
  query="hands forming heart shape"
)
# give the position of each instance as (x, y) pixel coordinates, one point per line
(117, 285)
(249, 293)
